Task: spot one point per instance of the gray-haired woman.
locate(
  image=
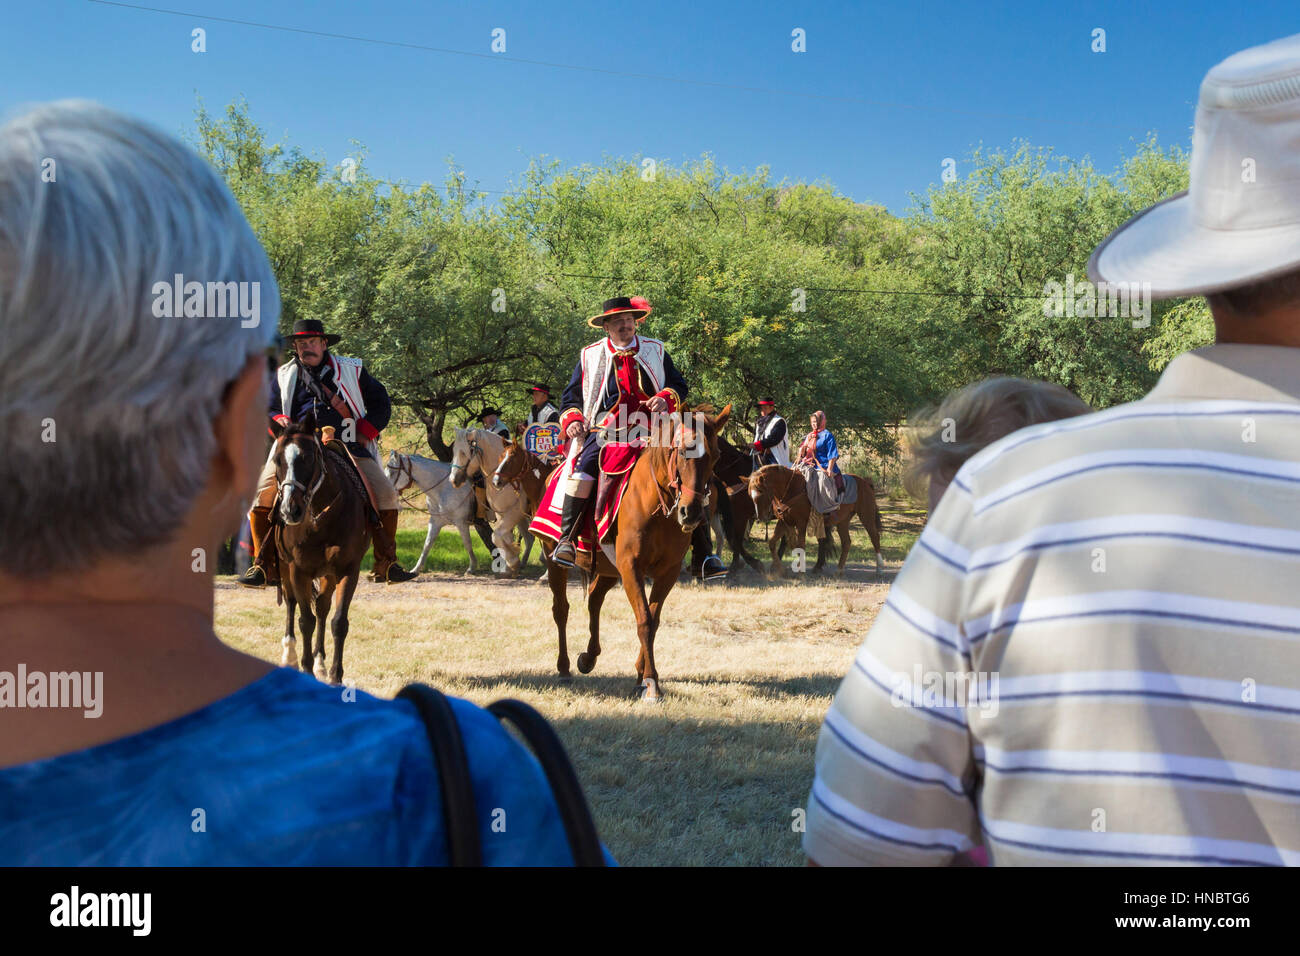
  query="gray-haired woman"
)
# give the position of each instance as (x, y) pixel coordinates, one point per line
(136, 310)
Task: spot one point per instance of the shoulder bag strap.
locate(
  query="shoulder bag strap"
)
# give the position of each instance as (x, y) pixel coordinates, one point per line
(459, 814)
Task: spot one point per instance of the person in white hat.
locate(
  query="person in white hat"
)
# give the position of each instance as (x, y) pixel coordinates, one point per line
(1090, 656)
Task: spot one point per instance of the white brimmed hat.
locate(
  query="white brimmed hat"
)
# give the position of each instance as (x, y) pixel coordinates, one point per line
(1240, 220)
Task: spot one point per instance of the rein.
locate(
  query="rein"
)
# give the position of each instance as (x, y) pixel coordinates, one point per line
(404, 468)
(514, 480)
(675, 485)
(781, 508)
(474, 452)
(309, 494)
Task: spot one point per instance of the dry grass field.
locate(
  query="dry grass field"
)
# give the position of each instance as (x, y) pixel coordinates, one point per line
(709, 777)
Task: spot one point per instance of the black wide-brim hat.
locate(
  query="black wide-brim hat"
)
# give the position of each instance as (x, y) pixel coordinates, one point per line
(489, 411)
(309, 328)
(538, 388)
(619, 305)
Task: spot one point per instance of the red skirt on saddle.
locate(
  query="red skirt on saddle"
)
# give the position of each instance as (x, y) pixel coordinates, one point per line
(616, 462)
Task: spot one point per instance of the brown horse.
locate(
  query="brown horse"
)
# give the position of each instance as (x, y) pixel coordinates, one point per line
(521, 468)
(784, 493)
(661, 507)
(322, 531)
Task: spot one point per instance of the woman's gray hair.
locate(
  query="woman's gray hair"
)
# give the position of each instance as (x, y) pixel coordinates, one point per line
(107, 394)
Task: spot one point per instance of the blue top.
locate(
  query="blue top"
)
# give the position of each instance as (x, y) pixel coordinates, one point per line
(285, 772)
(826, 450)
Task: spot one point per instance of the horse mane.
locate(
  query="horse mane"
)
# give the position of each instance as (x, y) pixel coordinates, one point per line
(293, 429)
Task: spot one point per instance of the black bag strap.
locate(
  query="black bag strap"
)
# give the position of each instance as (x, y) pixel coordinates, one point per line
(541, 736)
(460, 817)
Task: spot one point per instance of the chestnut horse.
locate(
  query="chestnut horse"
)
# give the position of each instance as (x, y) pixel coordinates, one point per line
(322, 531)
(662, 505)
(785, 492)
(525, 471)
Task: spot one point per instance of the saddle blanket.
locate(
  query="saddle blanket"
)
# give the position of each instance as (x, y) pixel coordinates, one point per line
(821, 490)
(616, 462)
(348, 466)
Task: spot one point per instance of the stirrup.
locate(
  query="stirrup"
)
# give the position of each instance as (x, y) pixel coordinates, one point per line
(719, 570)
(564, 562)
(254, 577)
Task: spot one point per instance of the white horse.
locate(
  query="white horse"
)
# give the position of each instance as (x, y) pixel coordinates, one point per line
(448, 505)
(477, 451)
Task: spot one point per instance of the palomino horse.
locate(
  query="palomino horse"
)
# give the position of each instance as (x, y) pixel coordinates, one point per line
(322, 533)
(477, 451)
(785, 492)
(663, 503)
(447, 505)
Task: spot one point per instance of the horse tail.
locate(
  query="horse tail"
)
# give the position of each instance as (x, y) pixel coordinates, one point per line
(724, 511)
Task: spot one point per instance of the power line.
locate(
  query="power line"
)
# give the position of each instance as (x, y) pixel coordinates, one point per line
(658, 77)
(953, 295)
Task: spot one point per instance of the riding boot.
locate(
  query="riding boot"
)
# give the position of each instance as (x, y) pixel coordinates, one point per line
(565, 554)
(265, 568)
(386, 568)
(711, 565)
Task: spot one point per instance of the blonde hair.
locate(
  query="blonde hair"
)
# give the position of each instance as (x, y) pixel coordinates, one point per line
(941, 438)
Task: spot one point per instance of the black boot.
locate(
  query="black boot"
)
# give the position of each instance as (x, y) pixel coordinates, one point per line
(565, 555)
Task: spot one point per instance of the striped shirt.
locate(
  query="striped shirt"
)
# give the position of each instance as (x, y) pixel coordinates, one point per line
(1092, 654)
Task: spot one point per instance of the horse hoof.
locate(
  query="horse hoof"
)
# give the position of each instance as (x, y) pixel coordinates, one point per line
(649, 692)
(586, 663)
(566, 678)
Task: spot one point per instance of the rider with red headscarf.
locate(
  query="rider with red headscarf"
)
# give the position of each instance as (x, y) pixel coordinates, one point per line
(819, 448)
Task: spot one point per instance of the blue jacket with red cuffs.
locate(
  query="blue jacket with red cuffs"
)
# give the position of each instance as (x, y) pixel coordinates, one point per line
(379, 408)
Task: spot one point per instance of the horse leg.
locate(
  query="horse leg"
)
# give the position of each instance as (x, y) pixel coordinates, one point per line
(288, 656)
(823, 548)
(526, 537)
(339, 623)
(663, 583)
(463, 527)
(435, 526)
(773, 544)
(558, 578)
(600, 586)
(501, 536)
(647, 680)
(871, 521)
(322, 615)
(306, 625)
(843, 530)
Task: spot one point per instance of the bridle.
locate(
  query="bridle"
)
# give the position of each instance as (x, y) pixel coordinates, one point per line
(309, 493)
(513, 480)
(474, 452)
(675, 482)
(403, 468)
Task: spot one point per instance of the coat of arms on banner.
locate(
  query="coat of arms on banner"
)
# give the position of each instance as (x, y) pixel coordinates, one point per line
(545, 441)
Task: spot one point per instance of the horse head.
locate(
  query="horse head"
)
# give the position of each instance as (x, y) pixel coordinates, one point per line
(299, 468)
(466, 456)
(691, 438)
(511, 465)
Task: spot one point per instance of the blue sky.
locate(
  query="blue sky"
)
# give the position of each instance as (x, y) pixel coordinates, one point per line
(883, 94)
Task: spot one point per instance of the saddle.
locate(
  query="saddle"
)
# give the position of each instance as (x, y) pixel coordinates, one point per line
(343, 456)
(598, 525)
